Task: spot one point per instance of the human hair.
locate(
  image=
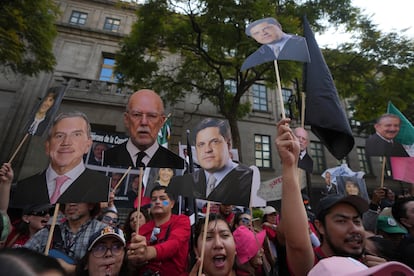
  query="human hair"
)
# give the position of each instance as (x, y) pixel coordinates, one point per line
(127, 227)
(26, 262)
(200, 225)
(222, 125)
(387, 115)
(82, 270)
(384, 248)
(162, 188)
(73, 114)
(399, 209)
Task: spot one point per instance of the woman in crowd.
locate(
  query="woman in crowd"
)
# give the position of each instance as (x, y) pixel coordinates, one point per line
(219, 250)
(34, 218)
(109, 217)
(250, 252)
(244, 219)
(133, 218)
(106, 254)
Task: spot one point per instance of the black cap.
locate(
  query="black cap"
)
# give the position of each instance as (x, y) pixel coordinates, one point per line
(360, 204)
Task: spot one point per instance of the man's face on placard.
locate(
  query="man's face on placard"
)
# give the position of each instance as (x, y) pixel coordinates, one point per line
(212, 149)
(265, 33)
(388, 127)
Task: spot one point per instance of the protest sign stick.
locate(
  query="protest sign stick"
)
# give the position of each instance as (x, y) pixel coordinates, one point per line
(141, 172)
(122, 179)
(203, 244)
(19, 147)
(52, 229)
(384, 160)
(302, 117)
(279, 90)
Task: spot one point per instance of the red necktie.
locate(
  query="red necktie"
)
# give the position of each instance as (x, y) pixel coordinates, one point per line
(56, 193)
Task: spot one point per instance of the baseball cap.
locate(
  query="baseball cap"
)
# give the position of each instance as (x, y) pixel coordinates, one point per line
(389, 225)
(329, 201)
(248, 243)
(108, 231)
(346, 266)
(269, 210)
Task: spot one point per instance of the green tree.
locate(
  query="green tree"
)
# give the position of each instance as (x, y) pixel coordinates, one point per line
(27, 31)
(376, 68)
(207, 44)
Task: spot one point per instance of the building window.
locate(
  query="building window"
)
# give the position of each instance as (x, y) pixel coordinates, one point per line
(287, 95)
(107, 70)
(259, 97)
(318, 157)
(262, 151)
(78, 18)
(231, 86)
(364, 164)
(112, 24)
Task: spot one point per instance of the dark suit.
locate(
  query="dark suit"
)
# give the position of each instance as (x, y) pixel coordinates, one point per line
(90, 186)
(294, 49)
(376, 146)
(234, 188)
(306, 163)
(163, 158)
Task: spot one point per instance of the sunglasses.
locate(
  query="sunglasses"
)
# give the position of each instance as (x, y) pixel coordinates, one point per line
(108, 219)
(42, 213)
(245, 220)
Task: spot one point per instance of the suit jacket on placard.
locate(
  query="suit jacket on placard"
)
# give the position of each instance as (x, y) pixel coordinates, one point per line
(294, 49)
(306, 163)
(376, 146)
(90, 186)
(163, 158)
(234, 188)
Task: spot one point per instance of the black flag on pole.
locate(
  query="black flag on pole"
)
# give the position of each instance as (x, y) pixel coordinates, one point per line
(324, 112)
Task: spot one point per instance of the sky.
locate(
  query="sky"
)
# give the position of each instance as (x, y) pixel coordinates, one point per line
(390, 15)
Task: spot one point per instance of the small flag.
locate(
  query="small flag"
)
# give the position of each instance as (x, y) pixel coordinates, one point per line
(164, 133)
(402, 168)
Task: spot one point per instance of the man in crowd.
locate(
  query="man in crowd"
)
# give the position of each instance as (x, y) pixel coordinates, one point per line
(219, 179)
(70, 239)
(97, 152)
(143, 118)
(163, 243)
(305, 161)
(382, 143)
(66, 179)
(338, 219)
(403, 212)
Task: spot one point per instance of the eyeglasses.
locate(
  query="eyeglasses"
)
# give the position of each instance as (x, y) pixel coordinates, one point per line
(154, 234)
(42, 213)
(108, 219)
(152, 116)
(100, 250)
(245, 220)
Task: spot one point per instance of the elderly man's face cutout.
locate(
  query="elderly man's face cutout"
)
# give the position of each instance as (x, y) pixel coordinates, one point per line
(266, 33)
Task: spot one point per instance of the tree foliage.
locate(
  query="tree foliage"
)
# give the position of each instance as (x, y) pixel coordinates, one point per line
(180, 47)
(27, 31)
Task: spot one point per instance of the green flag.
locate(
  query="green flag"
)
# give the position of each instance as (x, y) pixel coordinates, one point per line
(406, 134)
(164, 133)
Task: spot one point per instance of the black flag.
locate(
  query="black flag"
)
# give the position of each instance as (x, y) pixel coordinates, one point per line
(324, 112)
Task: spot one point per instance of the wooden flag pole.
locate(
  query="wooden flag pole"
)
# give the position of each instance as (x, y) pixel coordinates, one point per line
(19, 147)
(203, 244)
(122, 178)
(279, 92)
(141, 172)
(302, 117)
(384, 160)
(52, 229)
